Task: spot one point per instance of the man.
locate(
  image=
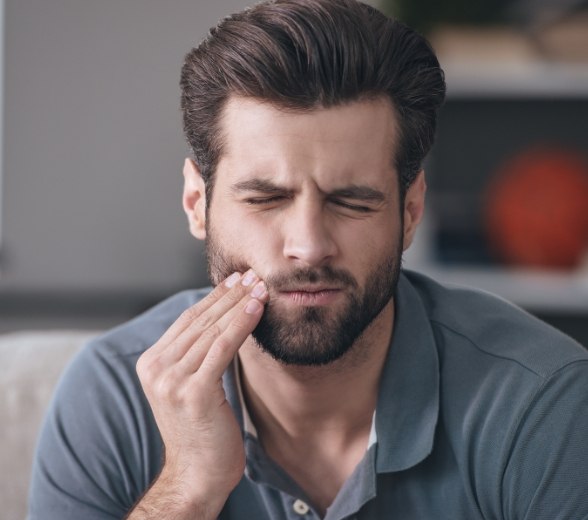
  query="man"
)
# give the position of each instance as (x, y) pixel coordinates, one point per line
(316, 380)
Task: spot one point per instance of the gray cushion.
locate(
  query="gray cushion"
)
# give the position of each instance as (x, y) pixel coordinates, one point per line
(30, 365)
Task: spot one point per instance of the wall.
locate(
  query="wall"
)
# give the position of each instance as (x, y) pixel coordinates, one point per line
(93, 144)
(94, 148)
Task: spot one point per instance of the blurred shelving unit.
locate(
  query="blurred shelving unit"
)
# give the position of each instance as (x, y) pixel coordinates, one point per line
(492, 75)
(2, 8)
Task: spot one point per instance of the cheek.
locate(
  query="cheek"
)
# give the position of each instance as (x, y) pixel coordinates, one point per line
(254, 244)
(372, 247)
(262, 249)
(374, 232)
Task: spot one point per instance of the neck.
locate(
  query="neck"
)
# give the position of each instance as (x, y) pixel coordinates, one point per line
(297, 402)
(315, 421)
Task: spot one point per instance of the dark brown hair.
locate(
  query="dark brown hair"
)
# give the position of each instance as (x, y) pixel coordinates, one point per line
(305, 54)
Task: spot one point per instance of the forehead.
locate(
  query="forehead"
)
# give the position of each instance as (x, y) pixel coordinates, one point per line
(345, 143)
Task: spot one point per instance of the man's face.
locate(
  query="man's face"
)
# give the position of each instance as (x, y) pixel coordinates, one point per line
(310, 201)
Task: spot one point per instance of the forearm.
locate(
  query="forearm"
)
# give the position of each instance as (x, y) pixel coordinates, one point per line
(164, 499)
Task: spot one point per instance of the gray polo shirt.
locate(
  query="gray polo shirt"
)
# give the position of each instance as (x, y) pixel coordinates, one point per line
(482, 414)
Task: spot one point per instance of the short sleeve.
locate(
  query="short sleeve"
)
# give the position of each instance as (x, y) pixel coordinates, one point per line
(99, 447)
(547, 474)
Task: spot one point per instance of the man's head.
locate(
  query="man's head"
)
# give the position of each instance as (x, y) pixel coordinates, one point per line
(305, 54)
(311, 120)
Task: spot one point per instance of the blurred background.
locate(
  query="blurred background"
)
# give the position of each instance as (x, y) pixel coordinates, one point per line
(91, 226)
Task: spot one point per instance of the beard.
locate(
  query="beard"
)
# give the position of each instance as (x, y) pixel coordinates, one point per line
(313, 336)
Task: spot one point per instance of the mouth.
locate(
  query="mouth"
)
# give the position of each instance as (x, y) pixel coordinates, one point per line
(311, 296)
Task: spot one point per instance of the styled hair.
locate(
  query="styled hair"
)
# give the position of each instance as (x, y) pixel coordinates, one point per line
(305, 54)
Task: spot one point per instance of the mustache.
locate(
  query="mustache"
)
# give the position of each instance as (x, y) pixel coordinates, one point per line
(277, 281)
(324, 274)
(220, 266)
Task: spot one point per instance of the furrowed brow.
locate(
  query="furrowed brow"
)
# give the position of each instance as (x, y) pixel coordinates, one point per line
(257, 185)
(363, 193)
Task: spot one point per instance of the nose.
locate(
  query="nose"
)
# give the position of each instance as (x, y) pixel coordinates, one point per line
(308, 236)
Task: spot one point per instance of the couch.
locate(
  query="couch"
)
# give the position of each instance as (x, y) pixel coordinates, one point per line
(30, 365)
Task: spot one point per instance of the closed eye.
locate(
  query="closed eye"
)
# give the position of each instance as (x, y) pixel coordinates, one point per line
(259, 201)
(354, 207)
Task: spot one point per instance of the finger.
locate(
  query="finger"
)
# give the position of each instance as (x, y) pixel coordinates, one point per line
(207, 321)
(163, 357)
(224, 348)
(195, 354)
(192, 313)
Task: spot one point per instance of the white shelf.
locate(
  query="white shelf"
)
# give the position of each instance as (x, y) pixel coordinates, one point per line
(512, 79)
(537, 291)
(550, 291)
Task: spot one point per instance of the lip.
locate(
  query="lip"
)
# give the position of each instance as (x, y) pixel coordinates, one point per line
(311, 296)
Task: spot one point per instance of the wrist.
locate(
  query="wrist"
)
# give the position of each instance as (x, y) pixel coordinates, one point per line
(201, 496)
(180, 498)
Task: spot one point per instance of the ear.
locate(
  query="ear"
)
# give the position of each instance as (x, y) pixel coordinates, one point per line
(414, 207)
(194, 199)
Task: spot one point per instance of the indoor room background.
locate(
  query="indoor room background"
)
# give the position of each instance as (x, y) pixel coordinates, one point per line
(91, 150)
(92, 230)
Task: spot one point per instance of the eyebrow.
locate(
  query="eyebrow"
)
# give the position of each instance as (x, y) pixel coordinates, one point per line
(259, 185)
(353, 191)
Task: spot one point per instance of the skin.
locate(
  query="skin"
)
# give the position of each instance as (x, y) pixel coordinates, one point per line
(307, 219)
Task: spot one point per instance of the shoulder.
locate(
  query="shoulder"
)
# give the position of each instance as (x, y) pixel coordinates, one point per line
(131, 339)
(485, 327)
(119, 348)
(99, 441)
(105, 368)
(513, 402)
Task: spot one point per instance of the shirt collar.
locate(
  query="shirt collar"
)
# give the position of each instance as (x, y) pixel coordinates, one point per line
(247, 423)
(408, 401)
(248, 427)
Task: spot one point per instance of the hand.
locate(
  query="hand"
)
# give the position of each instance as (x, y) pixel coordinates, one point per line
(181, 376)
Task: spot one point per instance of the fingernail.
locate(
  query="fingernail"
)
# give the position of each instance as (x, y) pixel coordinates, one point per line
(249, 278)
(232, 280)
(259, 290)
(253, 307)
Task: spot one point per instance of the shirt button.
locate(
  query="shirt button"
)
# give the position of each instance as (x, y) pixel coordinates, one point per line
(300, 507)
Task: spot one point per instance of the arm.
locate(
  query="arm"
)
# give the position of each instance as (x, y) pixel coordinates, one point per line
(182, 379)
(100, 447)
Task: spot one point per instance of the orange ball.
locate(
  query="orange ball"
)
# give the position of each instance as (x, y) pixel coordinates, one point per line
(537, 209)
